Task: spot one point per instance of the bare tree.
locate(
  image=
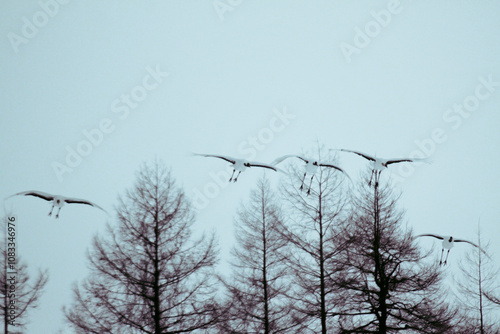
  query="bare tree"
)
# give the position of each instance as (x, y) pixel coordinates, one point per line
(312, 221)
(19, 292)
(148, 275)
(260, 282)
(386, 286)
(477, 277)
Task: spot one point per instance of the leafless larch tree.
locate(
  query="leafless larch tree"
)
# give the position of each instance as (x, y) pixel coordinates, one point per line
(260, 281)
(478, 276)
(148, 274)
(312, 221)
(386, 285)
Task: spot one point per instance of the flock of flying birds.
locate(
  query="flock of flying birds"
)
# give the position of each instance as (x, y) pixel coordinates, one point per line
(311, 167)
(240, 165)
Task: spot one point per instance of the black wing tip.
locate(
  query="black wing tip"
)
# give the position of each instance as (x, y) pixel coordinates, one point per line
(35, 193)
(430, 235)
(264, 166)
(73, 201)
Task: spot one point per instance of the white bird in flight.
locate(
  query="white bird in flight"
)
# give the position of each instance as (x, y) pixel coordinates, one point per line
(311, 167)
(57, 200)
(380, 164)
(239, 165)
(448, 243)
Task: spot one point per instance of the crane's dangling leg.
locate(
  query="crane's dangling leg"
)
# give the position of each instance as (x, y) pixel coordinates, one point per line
(302, 184)
(371, 177)
(446, 260)
(52, 209)
(377, 177)
(236, 178)
(310, 183)
(441, 258)
(57, 215)
(234, 170)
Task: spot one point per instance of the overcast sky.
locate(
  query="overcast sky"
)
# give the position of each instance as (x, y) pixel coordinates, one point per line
(89, 90)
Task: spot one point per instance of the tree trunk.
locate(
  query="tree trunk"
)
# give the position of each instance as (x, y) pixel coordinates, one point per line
(156, 283)
(322, 269)
(380, 278)
(480, 288)
(264, 270)
(322, 285)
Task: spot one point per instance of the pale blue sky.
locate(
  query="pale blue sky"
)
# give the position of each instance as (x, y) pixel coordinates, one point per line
(226, 79)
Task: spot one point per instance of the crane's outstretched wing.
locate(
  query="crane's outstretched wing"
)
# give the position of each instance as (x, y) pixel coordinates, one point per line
(322, 164)
(36, 193)
(366, 156)
(223, 157)
(395, 161)
(430, 235)
(280, 159)
(82, 201)
(473, 244)
(259, 164)
(335, 167)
